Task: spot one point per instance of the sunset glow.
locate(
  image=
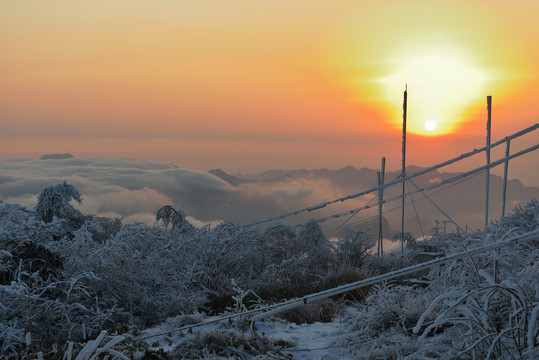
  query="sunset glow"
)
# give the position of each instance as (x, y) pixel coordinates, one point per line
(260, 85)
(448, 68)
(441, 83)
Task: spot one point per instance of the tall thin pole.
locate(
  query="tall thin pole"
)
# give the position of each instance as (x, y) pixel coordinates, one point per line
(403, 174)
(381, 176)
(506, 166)
(489, 110)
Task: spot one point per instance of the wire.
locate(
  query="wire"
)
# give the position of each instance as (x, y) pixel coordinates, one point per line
(450, 180)
(415, 210)
(421, 198)
(418, 173)
(349, 218)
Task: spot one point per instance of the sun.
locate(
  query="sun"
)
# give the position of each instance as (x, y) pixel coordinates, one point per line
(450, 59)
(441, 83)
(430, 125)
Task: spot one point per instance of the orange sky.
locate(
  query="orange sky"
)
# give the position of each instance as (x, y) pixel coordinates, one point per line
(248, 85)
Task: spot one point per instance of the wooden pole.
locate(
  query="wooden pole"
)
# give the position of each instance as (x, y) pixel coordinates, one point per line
(506, 166)
(489, 110)
(403, 174)
(381, 176)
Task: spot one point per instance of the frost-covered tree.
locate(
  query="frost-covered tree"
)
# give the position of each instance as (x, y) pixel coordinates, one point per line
(167, 215)
(56, 201)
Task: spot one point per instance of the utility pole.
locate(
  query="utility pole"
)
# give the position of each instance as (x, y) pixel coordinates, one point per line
(489, 119)
(381, 176)
(403, 174)
(489, 110)
(505, 168)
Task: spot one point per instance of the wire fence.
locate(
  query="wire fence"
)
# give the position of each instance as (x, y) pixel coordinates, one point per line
(405, 178)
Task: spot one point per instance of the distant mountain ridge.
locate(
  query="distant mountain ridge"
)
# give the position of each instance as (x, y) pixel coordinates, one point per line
(463, 200)
(346, 177)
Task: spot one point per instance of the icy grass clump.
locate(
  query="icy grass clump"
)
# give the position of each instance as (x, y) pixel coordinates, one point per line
(12, 336)
(219, 343)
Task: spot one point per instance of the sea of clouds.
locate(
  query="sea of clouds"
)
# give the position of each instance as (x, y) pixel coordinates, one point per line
(135, 189)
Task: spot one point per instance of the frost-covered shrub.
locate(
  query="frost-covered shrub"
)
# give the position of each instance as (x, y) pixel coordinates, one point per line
(313, 261)
(392, 308)
(522, 219)
(37, 299)
(17, 224)
(373, 265)
(279, 243)
(318, 250)
(142, 271)
(56, 201)
(13, 339)
(222, 254)
(322, 311)
(50, 312)
(34, 259)
(353, 247)
(494, 321)
(489, 313)
(103, 228)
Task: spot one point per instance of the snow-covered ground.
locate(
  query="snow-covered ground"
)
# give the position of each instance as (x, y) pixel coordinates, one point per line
(305, 341)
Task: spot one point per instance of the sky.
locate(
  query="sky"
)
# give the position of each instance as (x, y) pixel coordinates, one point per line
(247, 86)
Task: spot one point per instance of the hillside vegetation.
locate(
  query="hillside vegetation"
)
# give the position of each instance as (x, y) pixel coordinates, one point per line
(65, 277)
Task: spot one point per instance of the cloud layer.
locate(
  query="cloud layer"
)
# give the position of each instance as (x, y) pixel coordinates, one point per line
(135, 189)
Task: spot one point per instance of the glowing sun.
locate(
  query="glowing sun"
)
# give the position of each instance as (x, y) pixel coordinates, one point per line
(441, 84)
(430, 125)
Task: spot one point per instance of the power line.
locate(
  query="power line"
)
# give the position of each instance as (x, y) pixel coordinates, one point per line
(356, 210)
(407, 177)
(475, 171)
(421, 198)
(349, 218)
(415, 210)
